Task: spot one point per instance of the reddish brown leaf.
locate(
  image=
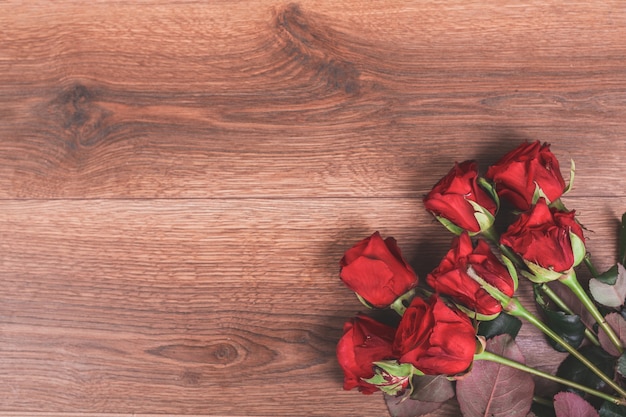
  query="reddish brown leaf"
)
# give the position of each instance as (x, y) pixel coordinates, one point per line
(495, 390)
(618, 324)
(568, 404)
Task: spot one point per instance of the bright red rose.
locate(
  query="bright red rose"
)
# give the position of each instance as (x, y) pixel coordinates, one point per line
(450, 198)
(364, 342)
(543, 237)
(434, 338)
(518, 173)
(451, 277)
(375, 270)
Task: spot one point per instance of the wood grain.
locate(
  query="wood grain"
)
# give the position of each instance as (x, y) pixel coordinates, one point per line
(178, 181)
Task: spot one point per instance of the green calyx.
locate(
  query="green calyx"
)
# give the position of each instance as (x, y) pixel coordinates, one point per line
(392, 377)
(539, 274)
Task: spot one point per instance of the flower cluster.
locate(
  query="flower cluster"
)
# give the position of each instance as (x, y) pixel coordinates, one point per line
(440, 328)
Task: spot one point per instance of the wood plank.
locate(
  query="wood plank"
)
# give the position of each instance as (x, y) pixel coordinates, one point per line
(190, 306)
(194, 100)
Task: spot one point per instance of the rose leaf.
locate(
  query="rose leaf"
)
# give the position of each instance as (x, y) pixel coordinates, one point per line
(607, 294)
(496, 390)
(609, 409)
(572, 369)
(621, 364)
(618, 324)
(568, 404)
(432, 388)
(569, 326)
(504, 323)
(403, 406)
(542, 410)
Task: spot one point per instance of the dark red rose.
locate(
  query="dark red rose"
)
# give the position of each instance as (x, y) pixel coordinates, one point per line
(450, 198)
(364, 342)
(375, 270)
(518, 173)
(434, 338)
(542, 238)
(451, 277)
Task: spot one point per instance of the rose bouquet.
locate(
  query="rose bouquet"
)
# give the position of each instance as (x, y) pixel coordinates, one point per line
(451, 336)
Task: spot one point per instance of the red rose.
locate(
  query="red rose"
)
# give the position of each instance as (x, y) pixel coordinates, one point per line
(518, 174)
(375, 270)
(451, 277)
(458, 198)
(364, 342)
(546, 238)
(435, 338)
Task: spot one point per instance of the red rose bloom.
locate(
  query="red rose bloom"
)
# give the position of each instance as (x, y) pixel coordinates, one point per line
(364, 342)
(435, 338)
(451, 276)
(542, 237)
(375, 270)
(450, 197)
(518, 173)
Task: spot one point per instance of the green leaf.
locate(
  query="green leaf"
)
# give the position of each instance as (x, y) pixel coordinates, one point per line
(609, 277)
(503, 324)
(572, 369)
(621, 364)
(609, 409)
(569, 326)
(541, 410)
(610, 295)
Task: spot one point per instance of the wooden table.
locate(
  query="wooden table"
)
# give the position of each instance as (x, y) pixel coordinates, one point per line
(179, 180)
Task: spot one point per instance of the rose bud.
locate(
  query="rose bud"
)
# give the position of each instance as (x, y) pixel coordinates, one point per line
(434, 338)
(460, 203)
(455, 277)
(526, 173)
(364, 342)
(375, 270)
(549, 241)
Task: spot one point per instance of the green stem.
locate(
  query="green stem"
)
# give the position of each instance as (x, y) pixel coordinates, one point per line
(491, 235)
(564, 307)
(570, 281)
(515, 308)
(492, 357)
(590, 266)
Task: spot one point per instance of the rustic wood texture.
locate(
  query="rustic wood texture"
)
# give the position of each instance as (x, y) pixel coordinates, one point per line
(178, 181)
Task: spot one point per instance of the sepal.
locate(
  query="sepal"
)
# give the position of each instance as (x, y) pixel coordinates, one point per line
(484, 218)
(539, 274)
(392, 377)
(578, 248)
(450, 226)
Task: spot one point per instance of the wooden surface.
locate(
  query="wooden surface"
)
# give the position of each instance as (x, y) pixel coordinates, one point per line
(178, 181)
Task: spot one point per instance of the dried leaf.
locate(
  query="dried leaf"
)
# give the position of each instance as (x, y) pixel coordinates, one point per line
(403, 406)
(618, 324)
(610, 295)
(495, 390)
(568, 404)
